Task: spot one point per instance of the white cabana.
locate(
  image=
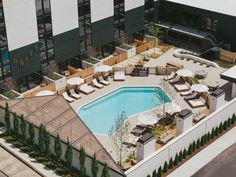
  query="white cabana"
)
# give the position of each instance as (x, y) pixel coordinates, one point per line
(103, 68)
(199, 88)
(75, 81)
(45, 93)
(185, 73)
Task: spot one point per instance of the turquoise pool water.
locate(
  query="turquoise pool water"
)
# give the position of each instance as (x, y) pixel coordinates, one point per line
(100, 114)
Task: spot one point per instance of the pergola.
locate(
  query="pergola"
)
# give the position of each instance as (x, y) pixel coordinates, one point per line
(230, 75)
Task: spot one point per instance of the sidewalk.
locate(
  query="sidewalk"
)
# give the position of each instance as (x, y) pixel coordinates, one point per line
(198, 161)
(32, 163)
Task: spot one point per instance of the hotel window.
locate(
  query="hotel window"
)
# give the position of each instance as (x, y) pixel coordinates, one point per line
(149, 13)
(119, 18)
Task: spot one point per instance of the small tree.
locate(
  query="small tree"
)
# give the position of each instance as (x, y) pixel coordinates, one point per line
(57, 147)
(23, 128)
(190, 149)
(202, 141)
(159, 174)
(208, 136)
(68, 155)
(220, 127)
(46, 142)
(176, 161)
(184, 153)
(16, 125)
(180, 156)
(165, 167)
(225, 125)
(216, 131)
(229, 122)
(105, 171)
(233, 119)
(31, 132)
(41, 139)
(213, 133)
(119, 133)
(154, 173)
(94, 166)
(194, 146)
(198, 143)
(170, 166)
(82, 156)
(7, 118)
(155, 32)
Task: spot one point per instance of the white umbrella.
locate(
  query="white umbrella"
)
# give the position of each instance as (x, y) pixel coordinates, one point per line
(75, 81)
(45, 93)
(172, 108)
(147, 119)
(199, 88)
(185, 73)
(103, 68)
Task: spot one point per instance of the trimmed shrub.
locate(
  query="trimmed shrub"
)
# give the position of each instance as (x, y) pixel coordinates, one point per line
(208, 137)
(202, 141)
(7, 118)
(220, 127)
(216, 131)
(228, 122)
(159, 174)
(148, 176)
(213, 133)
(170, 166)
(225, 125)
(184, 153)
(165, 167)
(176, 161)
(154, 173)
(198, 143)
(194, 146)
(205, 138)
(233, 119)
(190, 149)
(180, 156)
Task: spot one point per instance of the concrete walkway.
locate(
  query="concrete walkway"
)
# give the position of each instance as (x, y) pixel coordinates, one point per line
(201, 159)
(27, 160)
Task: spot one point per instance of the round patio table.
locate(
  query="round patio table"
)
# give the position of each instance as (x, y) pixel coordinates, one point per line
(200, 74)
(213, 85)
(45, 93)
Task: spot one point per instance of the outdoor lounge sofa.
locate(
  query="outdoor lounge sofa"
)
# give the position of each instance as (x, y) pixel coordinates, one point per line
(165, 137)
(196, 103)
(119, 76)
(102, 81)
(96, 84)
(199, 116)
(67, 97)
(139, 130)
(74, 95)
(182, 87)
(191, 97)
(86, 89)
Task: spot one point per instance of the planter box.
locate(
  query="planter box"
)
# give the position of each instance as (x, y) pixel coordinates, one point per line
(57, 79)
(131, 50)
(12, 94)
(88, 62)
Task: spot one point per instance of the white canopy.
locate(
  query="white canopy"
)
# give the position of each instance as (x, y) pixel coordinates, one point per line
(45, 93)
(185, 73)
(75, 81)
(103, 68)
(199, 88)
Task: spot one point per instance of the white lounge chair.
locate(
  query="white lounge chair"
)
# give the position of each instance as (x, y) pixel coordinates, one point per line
(104, 82)
(186, 93)
(75, 95)
(181, 87)
(119, 76)
(169, 77)
(86, 89)
(96, 84)
(195, 103)
(67, 97)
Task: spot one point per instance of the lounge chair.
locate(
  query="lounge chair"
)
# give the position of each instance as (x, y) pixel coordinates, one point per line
(191, 97)
(181, 87)
(119, 76)
(67, 97)
(139, 130)
(96, 84)
(169, 77)
(102, 81)
(74, 95)
(86, 89)
(195, 103)
(175, 80)
(165, 137)
(186, 93)
(198, 117)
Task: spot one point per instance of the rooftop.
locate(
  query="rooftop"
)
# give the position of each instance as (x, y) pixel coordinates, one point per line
(229, 75)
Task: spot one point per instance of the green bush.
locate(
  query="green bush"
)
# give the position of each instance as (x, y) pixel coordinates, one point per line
(213, 133)
(205, 138)
(216, 131)
(202, 141)
(165, 167)
(220, 127)
(176, 161)
(194, 146)
(233, 119)
(184, 153)
(180, 156)
(154, 173)
(228, 122)
(170, 166)
(225, 125)
(148, 176)
(198, 143)
(159, 174)
(190, 149)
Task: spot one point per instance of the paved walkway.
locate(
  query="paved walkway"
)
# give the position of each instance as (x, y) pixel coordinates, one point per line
(198, 161)
(28, 161)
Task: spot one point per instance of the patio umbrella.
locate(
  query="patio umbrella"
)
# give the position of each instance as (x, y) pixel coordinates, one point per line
(199, 88)
(172, 108)
(147, 119)
(75, 81)
(103, 68)
(185, 73)
(45, 93)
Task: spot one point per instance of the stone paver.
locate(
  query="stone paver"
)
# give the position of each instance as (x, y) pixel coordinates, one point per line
(198, 161)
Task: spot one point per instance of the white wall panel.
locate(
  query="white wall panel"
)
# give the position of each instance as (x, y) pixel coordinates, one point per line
(132, 4)
(220, 6)
(101, 9)
(64, 16)
(21, 23)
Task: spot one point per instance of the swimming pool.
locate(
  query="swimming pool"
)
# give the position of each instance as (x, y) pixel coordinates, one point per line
(100, 114)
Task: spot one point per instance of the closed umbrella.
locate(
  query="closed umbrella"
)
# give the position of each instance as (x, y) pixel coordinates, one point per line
(103, 68)
(185, 73)
(199, 88)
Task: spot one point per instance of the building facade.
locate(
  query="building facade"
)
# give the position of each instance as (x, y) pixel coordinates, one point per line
(37, 34)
